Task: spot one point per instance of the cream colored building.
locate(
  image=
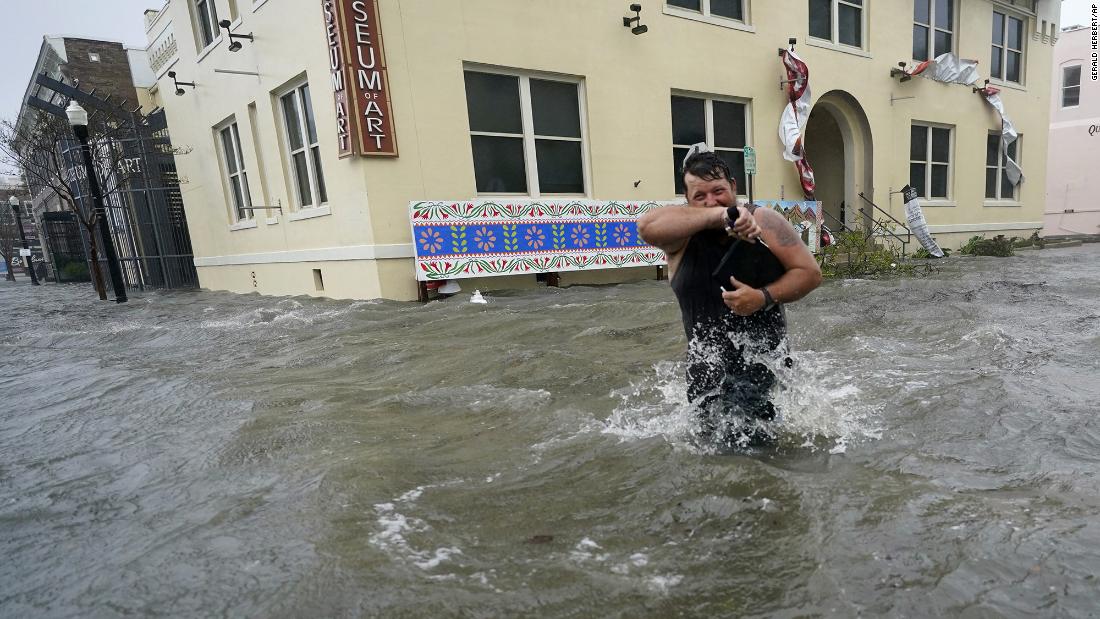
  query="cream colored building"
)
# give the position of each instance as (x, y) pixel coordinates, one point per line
(558, 98)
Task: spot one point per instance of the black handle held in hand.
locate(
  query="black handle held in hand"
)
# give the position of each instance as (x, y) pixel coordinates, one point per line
(731, 215)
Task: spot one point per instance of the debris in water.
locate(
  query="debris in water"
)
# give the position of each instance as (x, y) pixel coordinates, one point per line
(477, 298)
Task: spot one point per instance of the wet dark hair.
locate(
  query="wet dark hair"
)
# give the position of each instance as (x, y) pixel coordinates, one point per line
(707, 166)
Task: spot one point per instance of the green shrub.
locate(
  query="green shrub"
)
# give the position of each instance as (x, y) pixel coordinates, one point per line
(75, 272)
(857, 255)
(922, 253)
(996, 246)
(1032, 241)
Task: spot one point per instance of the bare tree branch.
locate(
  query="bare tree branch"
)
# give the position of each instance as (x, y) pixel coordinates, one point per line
(44, 149)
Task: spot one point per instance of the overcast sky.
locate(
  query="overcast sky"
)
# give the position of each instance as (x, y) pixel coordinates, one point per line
(25, 24)
(22, 30)
(1076, 12)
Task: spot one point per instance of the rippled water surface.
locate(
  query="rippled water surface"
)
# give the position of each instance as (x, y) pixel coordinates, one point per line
(213, 454)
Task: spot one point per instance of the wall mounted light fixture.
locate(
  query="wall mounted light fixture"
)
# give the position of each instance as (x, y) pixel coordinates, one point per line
(637, 19)
(177, 83)
(234, 44)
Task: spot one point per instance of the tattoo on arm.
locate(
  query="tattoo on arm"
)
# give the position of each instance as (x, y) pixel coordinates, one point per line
(783, 231)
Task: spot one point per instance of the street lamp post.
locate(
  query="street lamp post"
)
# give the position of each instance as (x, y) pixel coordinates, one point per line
(78, 118)
(14, 202)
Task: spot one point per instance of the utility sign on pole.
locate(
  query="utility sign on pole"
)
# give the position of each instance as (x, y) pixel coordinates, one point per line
(750, 168)
(750, 160)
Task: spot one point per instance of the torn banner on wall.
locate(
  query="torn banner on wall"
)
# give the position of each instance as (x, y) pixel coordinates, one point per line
(792, 124)
(917, 223)
(951, 69)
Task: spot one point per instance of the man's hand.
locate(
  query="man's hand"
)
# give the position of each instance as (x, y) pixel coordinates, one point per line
(746, 228)
(744, 300)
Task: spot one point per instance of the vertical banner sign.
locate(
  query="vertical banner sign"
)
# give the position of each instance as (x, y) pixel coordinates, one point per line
(339, 74)
(367, 88)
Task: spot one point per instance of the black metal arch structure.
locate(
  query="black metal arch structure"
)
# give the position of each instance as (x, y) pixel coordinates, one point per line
(145, 211)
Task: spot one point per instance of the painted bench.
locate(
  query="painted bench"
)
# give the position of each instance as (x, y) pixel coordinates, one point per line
(491, 237)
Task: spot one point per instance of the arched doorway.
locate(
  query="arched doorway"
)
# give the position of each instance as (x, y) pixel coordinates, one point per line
(839, 148)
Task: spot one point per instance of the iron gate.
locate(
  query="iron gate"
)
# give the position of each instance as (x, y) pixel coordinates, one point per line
(65, 246)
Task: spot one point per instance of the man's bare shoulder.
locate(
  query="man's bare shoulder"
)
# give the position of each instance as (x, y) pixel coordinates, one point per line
(777, 227)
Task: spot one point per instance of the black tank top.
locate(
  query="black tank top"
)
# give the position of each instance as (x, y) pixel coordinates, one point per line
(701, 307)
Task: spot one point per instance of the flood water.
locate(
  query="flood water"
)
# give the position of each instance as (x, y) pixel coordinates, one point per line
(210, 454)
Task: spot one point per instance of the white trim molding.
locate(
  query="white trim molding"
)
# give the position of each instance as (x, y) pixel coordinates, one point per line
(714, 20)
(838, 47)
(322, 254)
(243, 224)
(308, 212)
(1015, 225)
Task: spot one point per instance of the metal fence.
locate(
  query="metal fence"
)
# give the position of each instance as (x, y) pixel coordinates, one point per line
(65, 246)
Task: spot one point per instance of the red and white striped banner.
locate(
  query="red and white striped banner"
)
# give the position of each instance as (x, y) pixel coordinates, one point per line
(792, 124)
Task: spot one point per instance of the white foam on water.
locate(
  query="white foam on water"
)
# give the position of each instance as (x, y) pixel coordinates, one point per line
(662, 583)
(583, 551)
(441, 555)
(394, 528)
(635, 566)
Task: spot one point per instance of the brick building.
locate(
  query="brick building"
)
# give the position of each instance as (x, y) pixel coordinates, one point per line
(107, 66)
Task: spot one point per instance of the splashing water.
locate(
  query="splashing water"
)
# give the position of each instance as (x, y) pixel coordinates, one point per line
(816, 403)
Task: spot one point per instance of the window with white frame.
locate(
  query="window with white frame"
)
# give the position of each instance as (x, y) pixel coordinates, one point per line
(837, 21)
(1071, 86)
(206, 22)
(1008, 48)
(526, 134)
(997, 185)
(933, 28)
(302, 147)
(728, 9)
(240, 199)
(722, 124)
(930, 161)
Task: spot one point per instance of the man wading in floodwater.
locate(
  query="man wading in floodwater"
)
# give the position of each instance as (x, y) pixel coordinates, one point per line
(727, 388)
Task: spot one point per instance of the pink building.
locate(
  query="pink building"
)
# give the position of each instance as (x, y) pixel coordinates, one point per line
(1073, 158)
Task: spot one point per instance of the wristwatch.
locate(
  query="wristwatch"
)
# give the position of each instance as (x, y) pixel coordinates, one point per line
(769, 302)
